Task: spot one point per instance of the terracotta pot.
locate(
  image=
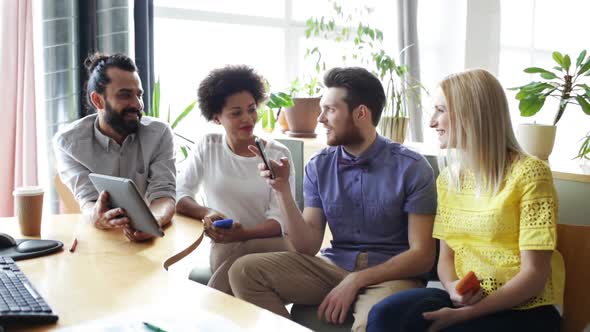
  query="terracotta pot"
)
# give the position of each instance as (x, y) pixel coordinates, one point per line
(394, 128)
(282, 120)
(536, 139)
(302, 117)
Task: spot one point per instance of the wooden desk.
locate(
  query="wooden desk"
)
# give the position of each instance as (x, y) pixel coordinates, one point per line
(109, 275)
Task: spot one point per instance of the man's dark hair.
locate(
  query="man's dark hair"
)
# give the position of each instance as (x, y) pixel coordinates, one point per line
(362, 88)
(97, 65)
(224, 82)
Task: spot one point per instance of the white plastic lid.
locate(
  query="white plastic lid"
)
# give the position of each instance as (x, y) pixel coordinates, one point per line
(27, 191)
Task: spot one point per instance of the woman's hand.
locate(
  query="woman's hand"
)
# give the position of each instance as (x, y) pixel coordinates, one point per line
(446, 317)
(208, 222)
(469, 298)
(235, 234)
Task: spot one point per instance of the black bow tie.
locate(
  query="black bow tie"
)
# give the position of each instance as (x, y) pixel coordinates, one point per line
(347, 163)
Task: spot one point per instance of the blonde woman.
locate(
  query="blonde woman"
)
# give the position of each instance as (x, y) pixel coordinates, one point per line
(496, 216)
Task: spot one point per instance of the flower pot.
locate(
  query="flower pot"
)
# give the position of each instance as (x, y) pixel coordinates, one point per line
(282, 120)
(536, 139)
(302, 117)
(394, 128)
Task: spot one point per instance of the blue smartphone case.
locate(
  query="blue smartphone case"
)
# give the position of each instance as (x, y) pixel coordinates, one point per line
(223, 223)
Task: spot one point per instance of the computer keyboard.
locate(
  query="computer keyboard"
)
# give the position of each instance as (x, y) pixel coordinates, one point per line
(19, 301)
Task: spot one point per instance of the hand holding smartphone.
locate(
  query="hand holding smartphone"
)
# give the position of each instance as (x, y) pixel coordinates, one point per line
(223, 223)
(265, 159)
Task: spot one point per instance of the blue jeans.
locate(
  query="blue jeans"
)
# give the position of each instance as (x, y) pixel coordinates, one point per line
(402, 312)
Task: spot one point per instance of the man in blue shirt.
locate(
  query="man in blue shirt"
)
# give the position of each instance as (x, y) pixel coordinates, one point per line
(378, 198)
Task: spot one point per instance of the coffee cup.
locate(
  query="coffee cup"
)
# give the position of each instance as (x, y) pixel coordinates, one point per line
(28, 207)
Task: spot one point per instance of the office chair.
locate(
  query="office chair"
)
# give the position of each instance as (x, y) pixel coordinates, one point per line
(68, 201)
(296, 149)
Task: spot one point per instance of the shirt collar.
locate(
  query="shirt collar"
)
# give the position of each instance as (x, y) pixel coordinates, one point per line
(101, 138)
(104, 141)
(369, 153)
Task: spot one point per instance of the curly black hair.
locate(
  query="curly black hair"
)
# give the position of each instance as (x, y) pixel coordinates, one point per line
(223, 82)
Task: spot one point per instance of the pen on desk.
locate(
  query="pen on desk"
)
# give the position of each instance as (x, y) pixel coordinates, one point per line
(74, 245)
(152, 327)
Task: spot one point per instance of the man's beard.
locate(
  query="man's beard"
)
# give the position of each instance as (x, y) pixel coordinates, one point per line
(117, 120)
(350, 136)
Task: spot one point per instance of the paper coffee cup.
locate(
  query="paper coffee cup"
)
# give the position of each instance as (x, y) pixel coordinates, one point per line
(28, 207)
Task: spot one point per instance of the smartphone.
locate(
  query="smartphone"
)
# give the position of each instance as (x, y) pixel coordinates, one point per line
(223, 223)
(264, 157)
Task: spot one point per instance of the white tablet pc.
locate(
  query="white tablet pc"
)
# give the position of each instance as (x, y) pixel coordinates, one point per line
(124, 194)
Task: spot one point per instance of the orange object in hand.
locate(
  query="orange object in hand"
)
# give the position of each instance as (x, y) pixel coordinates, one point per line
(468, 283)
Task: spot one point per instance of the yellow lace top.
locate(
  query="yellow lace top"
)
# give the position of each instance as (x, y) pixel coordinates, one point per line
(487, 232)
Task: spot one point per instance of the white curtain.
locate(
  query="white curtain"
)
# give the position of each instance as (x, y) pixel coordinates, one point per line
(18, 150)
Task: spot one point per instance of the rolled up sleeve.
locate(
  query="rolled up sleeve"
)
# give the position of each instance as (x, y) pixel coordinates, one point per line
(162, 170)
(73, 173)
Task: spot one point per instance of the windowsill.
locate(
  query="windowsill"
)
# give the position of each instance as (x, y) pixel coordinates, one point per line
(563, 170)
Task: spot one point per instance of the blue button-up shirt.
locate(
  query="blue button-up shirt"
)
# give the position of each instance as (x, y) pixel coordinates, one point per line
(366, 200)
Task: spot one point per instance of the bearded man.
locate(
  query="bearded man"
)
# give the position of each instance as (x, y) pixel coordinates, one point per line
(117, 140)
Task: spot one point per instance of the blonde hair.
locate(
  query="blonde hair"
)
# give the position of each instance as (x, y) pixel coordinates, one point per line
(481, 139)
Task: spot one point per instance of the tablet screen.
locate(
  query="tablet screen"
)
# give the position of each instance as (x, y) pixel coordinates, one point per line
(123, 193)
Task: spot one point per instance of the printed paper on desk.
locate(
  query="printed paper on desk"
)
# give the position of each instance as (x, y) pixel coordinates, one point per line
(169, 323)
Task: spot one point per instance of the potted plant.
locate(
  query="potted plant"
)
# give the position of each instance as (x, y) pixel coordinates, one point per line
(563, 82)
(300, 119)
(266, 112)
(185, 143)
(367, 48)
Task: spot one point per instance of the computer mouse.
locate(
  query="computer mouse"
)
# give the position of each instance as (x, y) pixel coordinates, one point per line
(6, 241)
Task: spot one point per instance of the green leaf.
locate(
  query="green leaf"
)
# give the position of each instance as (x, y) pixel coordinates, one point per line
(585, 67)
(567, 62)
(548, 75)
(260, 112)
(544, 73)
(585, 87)
(379, 34)
(184, 113)
(268, 119)
(531, 105)
(584, 150)
(580, 58)
(156, 99)
(558, 58)
(534, 70)
(279, 100)
(534, 87)
(521, 95)
(584, 104)
(184, 151)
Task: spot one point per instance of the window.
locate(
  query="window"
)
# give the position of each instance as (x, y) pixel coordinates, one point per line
(194, 37)
(530, 31)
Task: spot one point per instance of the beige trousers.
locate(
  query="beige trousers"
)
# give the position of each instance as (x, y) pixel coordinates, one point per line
(224, 255)
(271, 280)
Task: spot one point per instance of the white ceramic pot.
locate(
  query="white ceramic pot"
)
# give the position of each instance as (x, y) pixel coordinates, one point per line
(536, 139)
